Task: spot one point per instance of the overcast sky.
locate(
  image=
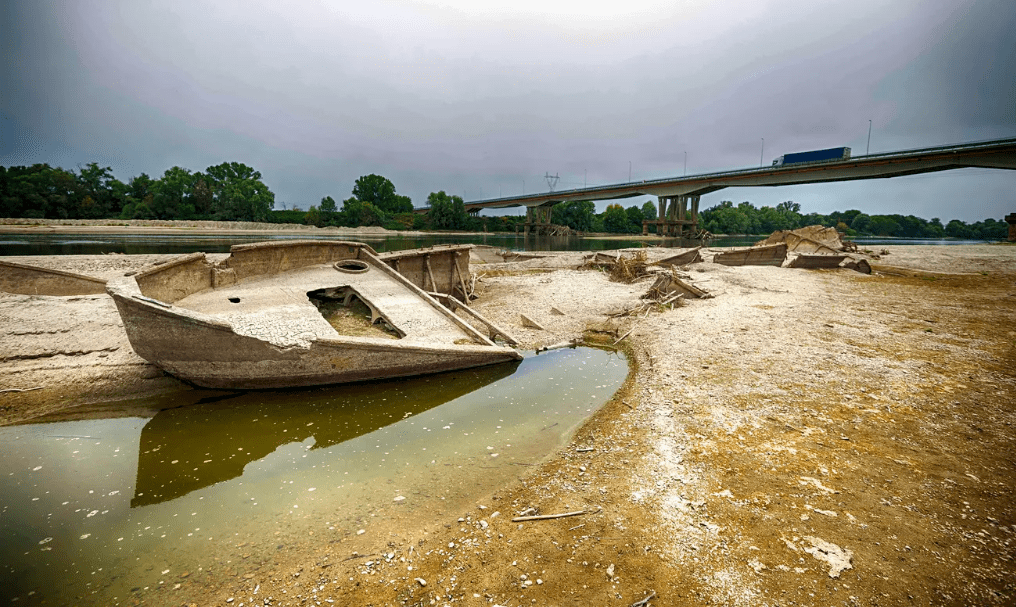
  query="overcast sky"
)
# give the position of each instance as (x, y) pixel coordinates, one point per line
(453, 95)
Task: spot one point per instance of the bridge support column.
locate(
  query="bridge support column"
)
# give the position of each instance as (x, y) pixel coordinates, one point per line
(694, 214)
(1011, 220)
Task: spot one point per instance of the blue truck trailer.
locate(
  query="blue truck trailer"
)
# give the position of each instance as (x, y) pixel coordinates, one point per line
(813, 156)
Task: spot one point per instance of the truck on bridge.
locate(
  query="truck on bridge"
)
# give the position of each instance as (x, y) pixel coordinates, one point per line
(813, 156)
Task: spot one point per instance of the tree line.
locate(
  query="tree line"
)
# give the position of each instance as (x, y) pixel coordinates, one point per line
(230, 191)
(745, 218)
(233, 191)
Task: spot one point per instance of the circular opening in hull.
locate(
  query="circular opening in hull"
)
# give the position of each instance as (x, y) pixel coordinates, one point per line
(351, 266)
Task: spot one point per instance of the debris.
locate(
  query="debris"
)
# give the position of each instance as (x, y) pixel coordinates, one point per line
(618, 340)
(814, 481)
(682, 259)
(564, 344)
(668, 285)
(858, 265)
(838, 558)
(529, 322)
(422, 582)
(556, 312)
(545, 517)
(620, 268)
(813, 261)
(757, 566)
(809, 239)
(610, 572)
(768, 255)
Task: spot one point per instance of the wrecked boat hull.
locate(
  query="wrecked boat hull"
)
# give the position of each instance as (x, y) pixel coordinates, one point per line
(32, 280)
(182, 318)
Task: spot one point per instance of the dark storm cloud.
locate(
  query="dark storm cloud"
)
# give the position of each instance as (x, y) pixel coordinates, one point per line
(477, 100)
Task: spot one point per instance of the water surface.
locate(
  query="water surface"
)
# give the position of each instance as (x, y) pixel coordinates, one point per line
(135, 498)
(137, 244)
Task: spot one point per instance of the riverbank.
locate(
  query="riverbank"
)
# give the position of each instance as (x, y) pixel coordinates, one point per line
(796, 425)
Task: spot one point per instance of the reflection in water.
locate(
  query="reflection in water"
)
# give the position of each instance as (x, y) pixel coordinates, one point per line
(187, 448)
(154, 501)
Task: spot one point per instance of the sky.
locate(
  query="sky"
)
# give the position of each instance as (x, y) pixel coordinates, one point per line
(480, 100)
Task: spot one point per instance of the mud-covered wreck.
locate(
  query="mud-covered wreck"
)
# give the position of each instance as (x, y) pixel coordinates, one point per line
(300, 313)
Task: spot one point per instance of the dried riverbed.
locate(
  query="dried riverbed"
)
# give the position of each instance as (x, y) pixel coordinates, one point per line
(804, 437)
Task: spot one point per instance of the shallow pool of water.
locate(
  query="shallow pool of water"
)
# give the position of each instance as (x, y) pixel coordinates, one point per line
(137, 498)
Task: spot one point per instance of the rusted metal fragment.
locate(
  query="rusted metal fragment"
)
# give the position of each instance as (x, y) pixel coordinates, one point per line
(32, 280)
(858, 265)
(768, 255)
(682, 259)
(810, 261)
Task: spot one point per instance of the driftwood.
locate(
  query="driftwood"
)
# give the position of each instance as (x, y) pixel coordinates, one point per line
(669, 284)
(547, 517)
(620, 268)
(626, 334)
(560, 345)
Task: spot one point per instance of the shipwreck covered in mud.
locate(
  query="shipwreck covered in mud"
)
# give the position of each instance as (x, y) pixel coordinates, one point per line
(280, 314)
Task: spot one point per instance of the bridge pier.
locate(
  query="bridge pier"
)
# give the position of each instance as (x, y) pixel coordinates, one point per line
(1011, 220)
(677, 217)
(537, 220)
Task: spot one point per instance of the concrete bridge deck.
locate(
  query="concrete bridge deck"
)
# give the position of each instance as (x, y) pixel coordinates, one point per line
(679, 196)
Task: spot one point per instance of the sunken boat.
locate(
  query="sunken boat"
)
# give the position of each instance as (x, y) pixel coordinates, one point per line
(298, 313)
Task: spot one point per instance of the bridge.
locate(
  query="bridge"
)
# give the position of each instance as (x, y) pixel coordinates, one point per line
(678, 197)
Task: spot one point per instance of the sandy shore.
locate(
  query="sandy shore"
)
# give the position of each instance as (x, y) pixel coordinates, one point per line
(802, 437)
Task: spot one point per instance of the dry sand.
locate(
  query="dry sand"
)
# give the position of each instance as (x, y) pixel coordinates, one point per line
(803, 437)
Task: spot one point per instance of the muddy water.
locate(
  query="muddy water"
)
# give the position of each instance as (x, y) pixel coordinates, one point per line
(150, 501)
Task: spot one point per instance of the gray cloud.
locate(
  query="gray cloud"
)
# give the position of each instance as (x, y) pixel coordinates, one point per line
(476, 100)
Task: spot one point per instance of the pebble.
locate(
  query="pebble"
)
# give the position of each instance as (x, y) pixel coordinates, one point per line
(422, 582)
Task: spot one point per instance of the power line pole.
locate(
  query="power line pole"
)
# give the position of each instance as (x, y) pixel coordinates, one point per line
(762, 153)
(551, 180)
(629, 171)
(868, 151)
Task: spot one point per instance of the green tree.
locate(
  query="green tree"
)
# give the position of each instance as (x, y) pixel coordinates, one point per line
(635, 217)
(615, 219)
(356, 213)
(861, 223)
(171, 195)
(238, 193)
(329, 211)
(313, 217)
(576, 214)
(380, 192)
(446, 212)
(649, 210)
(102, 195)
(957, 229)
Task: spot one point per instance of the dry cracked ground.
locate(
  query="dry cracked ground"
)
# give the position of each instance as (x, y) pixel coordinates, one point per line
(800, 438)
